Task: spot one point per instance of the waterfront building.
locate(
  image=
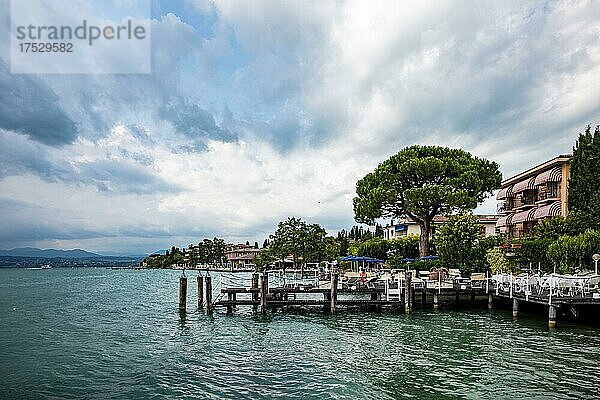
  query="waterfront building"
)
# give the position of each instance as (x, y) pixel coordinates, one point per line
(530, 196)
(241, 255)
(407, 226)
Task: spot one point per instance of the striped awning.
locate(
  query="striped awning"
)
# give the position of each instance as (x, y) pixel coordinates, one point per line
(551, 175)
(524, 185)
(504, 221)
(549, 210)
(523, 216)
(505, 192)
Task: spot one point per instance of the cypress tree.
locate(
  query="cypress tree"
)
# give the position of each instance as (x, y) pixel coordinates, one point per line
(584, 196)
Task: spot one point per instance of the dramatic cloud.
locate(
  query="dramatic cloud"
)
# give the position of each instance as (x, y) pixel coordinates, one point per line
(255, 111)
(195, 123)
(30, 107)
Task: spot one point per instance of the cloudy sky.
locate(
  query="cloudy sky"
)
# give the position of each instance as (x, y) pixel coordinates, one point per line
(259, 110)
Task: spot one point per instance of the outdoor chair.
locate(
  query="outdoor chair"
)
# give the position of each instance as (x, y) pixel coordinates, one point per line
(592, 285)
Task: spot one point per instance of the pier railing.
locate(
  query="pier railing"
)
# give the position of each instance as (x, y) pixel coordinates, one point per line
(276, 289)
(548, 286)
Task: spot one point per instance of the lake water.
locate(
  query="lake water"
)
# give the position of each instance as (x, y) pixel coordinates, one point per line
(98, 333)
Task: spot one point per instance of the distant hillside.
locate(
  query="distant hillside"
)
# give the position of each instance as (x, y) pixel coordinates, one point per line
(48, 253)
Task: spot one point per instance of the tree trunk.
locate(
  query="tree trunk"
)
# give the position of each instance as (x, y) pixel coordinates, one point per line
(424, 238)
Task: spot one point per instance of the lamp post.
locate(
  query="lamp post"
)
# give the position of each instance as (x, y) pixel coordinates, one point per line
(596, 258)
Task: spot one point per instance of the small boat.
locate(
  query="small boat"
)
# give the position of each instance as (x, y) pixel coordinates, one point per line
(46, 266)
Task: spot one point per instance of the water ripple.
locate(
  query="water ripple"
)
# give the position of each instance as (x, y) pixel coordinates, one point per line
(82, 333)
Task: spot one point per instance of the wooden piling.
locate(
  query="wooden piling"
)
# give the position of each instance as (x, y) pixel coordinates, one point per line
(200, 281)
(208, 294)
(490, 300)
(229, 306)
(457, 297)
(436, 300)
(551, 317)
(423, 297)
(182, 292)
(264, 281)
(334, 285)
(515, 307)
(327, 300)
(472, 297)
(408, 292)
(255, 293)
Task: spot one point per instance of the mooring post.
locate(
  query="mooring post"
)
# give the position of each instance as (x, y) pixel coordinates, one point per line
(334, 285)
(229, 305)
(263, 292)
(255, 292)
(200, 281)
(424, 297)
(457, 297)
(400, 294)
(436, 300)
(208, 294)
(551, 317)
(408, 292)
(182, 292)
(515, 307)
(266, 282)
(472, 297)
(490, 298)
(326, 300)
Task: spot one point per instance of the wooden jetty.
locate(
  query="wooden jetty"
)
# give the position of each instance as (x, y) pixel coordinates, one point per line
(258, 293)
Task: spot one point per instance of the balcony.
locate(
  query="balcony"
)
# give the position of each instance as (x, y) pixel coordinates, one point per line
(515, 233)
(524, 202)
(545, 197)
(506, 207)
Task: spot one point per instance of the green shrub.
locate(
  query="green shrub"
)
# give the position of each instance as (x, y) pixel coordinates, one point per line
(570, 254)
(534, 251)
(498, 262)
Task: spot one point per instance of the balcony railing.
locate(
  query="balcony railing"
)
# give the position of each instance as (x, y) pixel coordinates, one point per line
(548, 195)
(521, 201)
(515, 233)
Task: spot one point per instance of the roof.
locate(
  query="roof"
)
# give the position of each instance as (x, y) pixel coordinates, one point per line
(558, 160)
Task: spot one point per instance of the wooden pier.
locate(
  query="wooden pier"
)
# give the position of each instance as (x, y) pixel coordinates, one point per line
(263, 296)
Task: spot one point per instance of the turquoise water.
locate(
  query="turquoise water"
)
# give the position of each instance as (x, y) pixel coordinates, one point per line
(97, 333)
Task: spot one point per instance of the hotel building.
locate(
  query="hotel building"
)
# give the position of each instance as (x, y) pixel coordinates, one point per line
(241, 255)
(538, 193)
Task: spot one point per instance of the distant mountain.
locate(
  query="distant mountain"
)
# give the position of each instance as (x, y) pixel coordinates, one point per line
(122, 255)
(48, 253)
